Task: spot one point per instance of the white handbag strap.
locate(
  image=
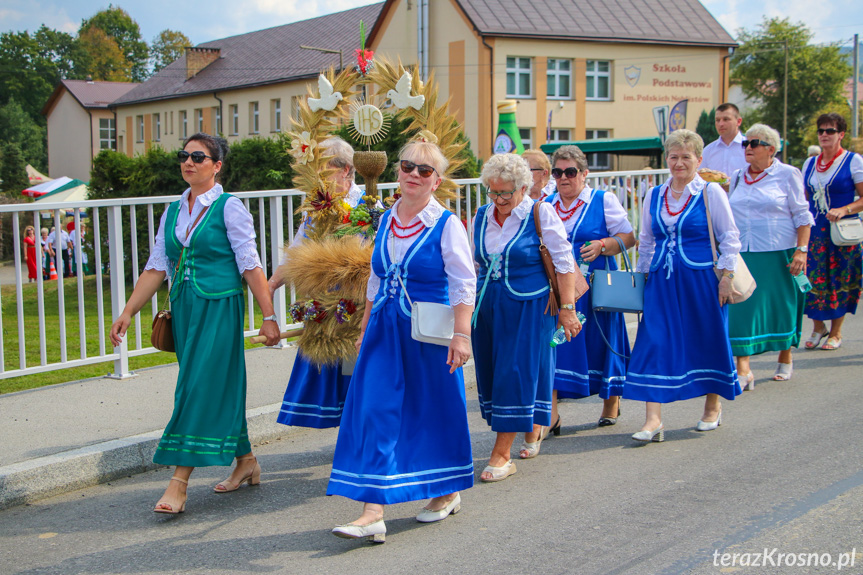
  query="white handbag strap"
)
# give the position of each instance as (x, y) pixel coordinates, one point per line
(710, 227)
(404, 289)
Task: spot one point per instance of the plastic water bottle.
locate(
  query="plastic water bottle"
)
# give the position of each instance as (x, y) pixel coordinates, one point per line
(802, 282)
(559, 336)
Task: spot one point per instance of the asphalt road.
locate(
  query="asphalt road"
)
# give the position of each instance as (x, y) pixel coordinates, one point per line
(784, 473)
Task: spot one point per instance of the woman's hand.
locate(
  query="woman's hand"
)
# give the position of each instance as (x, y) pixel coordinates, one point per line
(459, 353)
(836, 214)
(591, 250)
(358, 344)
(568, 319)
(798, 263)
(118, 329)
(270, 330)
(726, 290)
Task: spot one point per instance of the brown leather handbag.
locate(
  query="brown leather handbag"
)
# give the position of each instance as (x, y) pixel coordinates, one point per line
(581, 286)
(162, 336)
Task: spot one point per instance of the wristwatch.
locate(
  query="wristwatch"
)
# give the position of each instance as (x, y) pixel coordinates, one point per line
(570, 306)
(729, 275)
(803, 249)
(272, 318)
(602, 248)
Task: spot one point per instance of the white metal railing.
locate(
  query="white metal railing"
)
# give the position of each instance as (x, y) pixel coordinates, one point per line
(274, 227)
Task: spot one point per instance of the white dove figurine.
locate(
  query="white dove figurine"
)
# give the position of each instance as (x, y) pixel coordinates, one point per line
(401, 96)
(328, 99)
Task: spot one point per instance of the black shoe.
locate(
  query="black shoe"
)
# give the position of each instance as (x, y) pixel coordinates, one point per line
(607, 421)
(556, 428)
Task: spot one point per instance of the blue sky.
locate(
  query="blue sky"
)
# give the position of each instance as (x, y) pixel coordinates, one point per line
(211, 19)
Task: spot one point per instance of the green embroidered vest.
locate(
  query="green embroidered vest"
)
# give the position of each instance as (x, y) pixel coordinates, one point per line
(208, 263)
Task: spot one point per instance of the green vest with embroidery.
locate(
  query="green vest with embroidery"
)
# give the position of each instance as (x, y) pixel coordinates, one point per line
(208, 263)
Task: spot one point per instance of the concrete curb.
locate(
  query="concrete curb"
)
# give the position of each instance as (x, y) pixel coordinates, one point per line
(43, 477)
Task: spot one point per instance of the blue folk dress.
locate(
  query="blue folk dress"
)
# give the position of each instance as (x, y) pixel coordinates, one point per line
(511, 333)
(682, 349)
(404, 433)
(585, 365)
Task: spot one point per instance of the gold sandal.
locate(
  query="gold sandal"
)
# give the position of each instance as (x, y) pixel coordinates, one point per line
(170, 510)
(253, 478)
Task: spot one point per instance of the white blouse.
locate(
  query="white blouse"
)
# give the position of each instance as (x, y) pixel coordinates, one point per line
(616, 219)
(455, 248)
(553, 233)
(818, 181)
(238, 220)
(725, 231)
(769, 211)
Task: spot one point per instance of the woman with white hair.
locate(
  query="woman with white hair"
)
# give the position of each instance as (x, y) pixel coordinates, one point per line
(315, 395)
(772, 214)
(681, 350)
(512, 334)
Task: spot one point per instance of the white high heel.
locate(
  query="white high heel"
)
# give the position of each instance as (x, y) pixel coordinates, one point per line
(748, 382)
(709, 425)
(376, 532)
(656, 436)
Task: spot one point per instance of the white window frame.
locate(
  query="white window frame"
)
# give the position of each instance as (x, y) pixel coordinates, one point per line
(110, 130)
(517, 71)
(157, 127)
(560, 135)
(277, 115)
(217, 117)
(235, 119)
(139, 129)
(254, 118)
(527, 142)
(184, 124)
(554, 75)
(199, 120)
(597, 75)
(598, 160)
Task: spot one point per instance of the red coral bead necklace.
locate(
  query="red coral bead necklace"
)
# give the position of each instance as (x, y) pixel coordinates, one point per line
(823, 167)
(394, 226)
(566, 214)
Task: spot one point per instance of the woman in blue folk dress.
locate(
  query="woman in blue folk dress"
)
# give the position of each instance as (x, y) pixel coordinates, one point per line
(404, 433)
(682, 349)
(832, 179)
(206, 238)
(315, 395)
(512, 332)
(594, 220)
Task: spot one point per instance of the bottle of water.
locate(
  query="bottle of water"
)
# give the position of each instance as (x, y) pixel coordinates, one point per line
(802, 282)
(559, 336)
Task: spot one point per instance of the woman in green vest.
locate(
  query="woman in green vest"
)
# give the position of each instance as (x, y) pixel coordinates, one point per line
(206, 241)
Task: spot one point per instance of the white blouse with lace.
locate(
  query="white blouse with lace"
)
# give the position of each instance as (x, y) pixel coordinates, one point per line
(616, 219)
(724, 229)
(455, 248)
(553, 233)
(238, 221)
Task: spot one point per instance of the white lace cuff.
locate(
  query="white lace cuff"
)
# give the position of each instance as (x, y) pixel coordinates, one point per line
(158, 261)
(247, 258)
(728, 262)
(643, 265)
(373, 286)
(803, 219)
(564, 263)
(462, 294)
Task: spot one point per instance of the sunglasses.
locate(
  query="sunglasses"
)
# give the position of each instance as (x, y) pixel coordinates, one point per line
(537, 169)
(754, 143)
(501, 195)
(829, 131)
(557, 173)
(423, 170)
(197, 157)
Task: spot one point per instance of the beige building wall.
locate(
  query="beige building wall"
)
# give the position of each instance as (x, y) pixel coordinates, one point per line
(69, 144)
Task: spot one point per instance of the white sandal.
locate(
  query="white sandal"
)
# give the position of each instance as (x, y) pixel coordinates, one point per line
(499, 473)
(532, 449)
(815, 339)
(748, 382)
(783, 371)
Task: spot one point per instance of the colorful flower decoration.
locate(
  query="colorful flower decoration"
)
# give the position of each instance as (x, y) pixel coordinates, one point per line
(364, 57)
(303, 147)
(323, 200)
(344, 310)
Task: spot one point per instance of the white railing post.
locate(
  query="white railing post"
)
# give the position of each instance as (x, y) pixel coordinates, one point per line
(277, 246)
(118, 287)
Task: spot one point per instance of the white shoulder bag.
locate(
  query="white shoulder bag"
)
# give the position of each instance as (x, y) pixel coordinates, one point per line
(742, 282)
(430, 322)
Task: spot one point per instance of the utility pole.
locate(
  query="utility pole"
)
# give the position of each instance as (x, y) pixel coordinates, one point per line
(785, 108)
(855, 78)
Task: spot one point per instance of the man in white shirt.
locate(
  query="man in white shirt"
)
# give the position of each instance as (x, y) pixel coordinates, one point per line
(61, 242)
(726, 154)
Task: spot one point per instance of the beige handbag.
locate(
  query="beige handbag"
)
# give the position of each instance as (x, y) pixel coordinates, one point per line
(847, 232)
(742, 283)
(430, 322)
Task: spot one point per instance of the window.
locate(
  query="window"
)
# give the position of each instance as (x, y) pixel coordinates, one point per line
(157, 127)
(559, 135)
(600, 160)
(199, 120)
(234, 111)
(276, 115)
(519, 77)
(139, 128)
(170, 117)
(559, 79)
(254, 117)
(217, 119)
(295, 107)
(184, 125)
(526, 140)
(107, 134)
(598, 80)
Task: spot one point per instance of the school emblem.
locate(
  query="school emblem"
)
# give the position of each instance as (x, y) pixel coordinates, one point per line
(632, 75)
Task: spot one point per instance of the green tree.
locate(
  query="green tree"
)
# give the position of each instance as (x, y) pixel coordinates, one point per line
(117, 24)
(31, 65)
(167, 47)
(13, 172)
(18, 127)
(816, 75)
(706, 127)
(105, 61)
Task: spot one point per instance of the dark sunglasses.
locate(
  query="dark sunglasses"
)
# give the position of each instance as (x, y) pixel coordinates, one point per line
(754, 143)
(197, 157)
(557, 173)
(501, 195)
(829, 131)
(423, 170)
(537, 169)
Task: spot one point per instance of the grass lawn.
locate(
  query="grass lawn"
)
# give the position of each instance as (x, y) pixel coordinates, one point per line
(73, 337)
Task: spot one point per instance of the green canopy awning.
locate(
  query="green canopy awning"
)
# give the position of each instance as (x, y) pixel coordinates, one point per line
(622, 146)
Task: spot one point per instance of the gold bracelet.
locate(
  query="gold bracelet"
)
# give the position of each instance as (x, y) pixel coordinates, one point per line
(569, 306)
